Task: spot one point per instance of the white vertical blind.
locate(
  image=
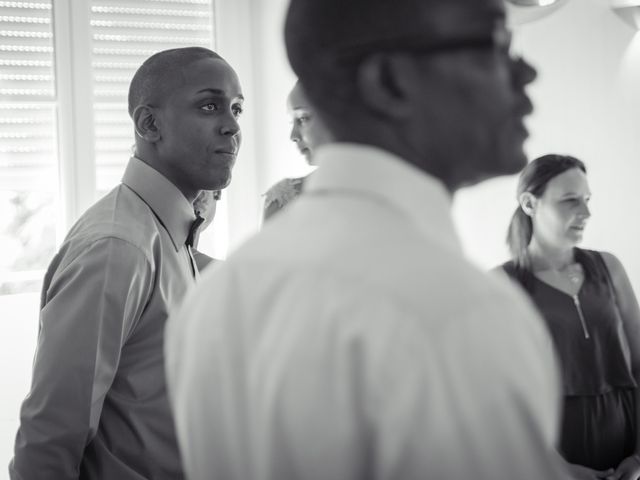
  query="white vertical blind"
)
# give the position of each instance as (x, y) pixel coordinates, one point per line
(27, 95)
(28, 160)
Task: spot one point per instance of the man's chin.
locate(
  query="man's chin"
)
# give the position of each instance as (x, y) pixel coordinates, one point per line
(513, 162)
(219, 183)
(500, 165)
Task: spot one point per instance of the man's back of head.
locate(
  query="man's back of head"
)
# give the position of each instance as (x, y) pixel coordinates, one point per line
(429, 80)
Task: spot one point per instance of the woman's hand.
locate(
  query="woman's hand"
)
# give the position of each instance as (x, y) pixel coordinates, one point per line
(629, 469)
(580, 472)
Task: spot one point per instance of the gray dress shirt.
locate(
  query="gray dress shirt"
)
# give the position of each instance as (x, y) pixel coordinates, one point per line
(98, 406)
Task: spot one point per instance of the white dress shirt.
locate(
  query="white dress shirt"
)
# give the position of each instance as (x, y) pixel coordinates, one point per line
(350, 339)
(98, 406)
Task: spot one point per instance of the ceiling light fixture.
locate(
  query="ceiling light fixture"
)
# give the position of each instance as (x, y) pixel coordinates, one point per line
(533, 3)
(524, 11)
(628, 10)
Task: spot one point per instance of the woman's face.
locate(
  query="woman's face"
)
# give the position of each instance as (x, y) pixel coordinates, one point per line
(307, 130)
(560, 215)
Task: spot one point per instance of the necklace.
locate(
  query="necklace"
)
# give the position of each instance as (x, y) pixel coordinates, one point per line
(573, 272)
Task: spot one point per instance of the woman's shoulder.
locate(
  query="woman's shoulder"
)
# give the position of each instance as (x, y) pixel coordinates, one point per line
(282, 193)
(606, 259)
(285, 188)
(613, 263)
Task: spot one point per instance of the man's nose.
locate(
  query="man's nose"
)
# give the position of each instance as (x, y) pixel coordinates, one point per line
(230, 127)
(523, 72)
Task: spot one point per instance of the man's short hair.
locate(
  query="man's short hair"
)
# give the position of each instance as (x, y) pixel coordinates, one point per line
(161, 72)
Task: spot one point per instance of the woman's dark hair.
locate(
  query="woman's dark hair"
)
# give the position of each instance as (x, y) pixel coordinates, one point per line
(534, 179)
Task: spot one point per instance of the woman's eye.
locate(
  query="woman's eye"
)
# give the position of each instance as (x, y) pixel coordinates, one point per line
(237, 111)
(209, 107)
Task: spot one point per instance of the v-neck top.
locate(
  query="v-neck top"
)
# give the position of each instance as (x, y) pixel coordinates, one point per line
(593, 365)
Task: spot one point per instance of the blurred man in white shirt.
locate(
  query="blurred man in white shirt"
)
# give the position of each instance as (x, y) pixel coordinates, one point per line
(350, 338)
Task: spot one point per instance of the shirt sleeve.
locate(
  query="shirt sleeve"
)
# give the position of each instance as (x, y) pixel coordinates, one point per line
(90, 304)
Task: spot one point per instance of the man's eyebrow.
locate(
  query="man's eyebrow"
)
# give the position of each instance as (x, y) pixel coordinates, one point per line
(217, 91)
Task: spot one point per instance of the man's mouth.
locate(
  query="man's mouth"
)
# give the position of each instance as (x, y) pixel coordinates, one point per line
(230, 151)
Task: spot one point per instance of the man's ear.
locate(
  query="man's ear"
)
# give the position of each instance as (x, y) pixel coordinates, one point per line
(528, 203)
(145, 123)
(382, 86)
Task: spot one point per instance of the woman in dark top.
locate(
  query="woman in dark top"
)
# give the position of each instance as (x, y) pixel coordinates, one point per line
(592, 314)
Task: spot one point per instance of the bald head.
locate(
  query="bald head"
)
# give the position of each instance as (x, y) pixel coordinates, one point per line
(162, 72)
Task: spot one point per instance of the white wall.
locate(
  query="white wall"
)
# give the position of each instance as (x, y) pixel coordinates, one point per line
(18, 335)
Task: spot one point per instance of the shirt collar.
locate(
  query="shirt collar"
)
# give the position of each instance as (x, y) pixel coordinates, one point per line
(371, 171)
(165, 199)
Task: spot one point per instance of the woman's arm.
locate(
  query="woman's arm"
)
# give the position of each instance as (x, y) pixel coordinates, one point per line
(630, 312)
(628, 306)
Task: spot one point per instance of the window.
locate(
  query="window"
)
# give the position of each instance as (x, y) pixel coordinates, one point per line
(65, 135)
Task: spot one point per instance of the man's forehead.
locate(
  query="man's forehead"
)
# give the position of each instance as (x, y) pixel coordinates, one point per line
(213, 75)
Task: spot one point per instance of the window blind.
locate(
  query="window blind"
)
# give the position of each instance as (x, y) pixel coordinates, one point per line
(27, 94)
(28, 160)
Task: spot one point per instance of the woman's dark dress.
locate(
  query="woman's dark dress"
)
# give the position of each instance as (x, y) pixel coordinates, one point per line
(599, 423)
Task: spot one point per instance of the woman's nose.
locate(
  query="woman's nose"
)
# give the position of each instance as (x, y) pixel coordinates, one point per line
(584, 210)
(295, 134)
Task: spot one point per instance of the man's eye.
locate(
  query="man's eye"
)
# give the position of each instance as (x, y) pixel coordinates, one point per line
(209, 107)
(237, 110)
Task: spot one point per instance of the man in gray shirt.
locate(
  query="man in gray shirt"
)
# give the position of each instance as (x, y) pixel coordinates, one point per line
(98, 407)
